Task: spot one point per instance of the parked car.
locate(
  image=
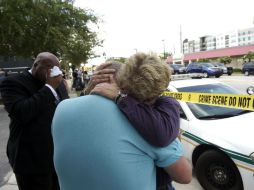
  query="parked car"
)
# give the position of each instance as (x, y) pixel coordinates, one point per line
(217, 140)
(248, 68)
(207, 69)
(226, 70)
(178, 69)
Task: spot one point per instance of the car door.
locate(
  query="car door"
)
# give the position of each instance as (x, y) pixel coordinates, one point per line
(195, 68)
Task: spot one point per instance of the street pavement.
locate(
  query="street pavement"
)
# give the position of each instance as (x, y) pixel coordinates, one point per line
(11, 184)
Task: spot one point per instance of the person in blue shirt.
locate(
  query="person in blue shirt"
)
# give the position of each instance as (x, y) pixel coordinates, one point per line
(106, 151)
(158, 123)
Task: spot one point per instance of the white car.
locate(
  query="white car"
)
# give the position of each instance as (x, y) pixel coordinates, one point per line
(218, 141)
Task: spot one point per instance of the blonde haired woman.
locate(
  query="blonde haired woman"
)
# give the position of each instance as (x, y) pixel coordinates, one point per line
(144, 76)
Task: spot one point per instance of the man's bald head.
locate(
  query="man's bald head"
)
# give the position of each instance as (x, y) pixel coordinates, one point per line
(43, 62)
(47, 58)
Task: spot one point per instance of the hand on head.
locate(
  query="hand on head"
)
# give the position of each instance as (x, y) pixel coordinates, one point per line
(101, 75)
(107, 89)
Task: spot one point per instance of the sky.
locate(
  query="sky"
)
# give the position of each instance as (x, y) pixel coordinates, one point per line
(150, 25)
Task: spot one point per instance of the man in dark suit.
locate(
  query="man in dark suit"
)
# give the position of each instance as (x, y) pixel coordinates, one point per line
(31, 98)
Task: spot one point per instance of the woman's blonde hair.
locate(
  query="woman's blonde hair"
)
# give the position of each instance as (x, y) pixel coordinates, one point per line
(143, 76)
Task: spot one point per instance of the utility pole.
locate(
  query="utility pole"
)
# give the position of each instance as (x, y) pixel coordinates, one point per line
(181, 47)
(164, 53)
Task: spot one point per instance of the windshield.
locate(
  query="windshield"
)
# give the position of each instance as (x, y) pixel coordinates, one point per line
(221, 64)
(213, 112)
(208, 64)
(216, 65)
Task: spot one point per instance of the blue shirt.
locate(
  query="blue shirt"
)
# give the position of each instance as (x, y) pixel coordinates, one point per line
(158, 124)
(95, 148)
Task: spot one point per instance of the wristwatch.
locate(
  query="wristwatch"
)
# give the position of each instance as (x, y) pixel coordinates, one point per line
(120, 97)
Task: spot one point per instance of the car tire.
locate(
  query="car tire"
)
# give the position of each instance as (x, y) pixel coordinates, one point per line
(250, 90)
(217, 76)
(215, 171)
(229, 74)
(246, 73)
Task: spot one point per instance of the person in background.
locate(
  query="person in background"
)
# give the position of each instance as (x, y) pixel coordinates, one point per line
(74, 79)
(112, 141)
(30, 98)
(85, 78)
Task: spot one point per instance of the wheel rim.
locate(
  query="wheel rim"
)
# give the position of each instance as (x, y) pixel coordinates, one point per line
(220, 176)
(246, 73)
(205, 75)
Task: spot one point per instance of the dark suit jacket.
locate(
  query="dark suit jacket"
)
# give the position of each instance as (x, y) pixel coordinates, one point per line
(31, 106)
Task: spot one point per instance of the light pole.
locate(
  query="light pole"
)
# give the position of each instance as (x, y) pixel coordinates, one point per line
(136, 50)
(164, 53)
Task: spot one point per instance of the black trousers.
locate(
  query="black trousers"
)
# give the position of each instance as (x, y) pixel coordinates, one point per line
(37, 182)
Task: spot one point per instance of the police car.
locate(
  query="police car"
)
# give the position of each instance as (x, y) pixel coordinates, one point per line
(218, 141)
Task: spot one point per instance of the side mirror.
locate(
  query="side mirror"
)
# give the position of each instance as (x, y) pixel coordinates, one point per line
(250, 90)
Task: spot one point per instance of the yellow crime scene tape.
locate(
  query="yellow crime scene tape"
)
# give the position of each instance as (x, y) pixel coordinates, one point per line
(244, 102)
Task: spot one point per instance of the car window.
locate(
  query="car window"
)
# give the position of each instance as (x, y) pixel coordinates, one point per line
(179, 66)
(200, 110)
(208, 64)
(250, 64)
(221, 64)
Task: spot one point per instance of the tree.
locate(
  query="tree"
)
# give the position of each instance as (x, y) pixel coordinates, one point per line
(226, 60)
(118, 59)
(249, 56)
(32, 26)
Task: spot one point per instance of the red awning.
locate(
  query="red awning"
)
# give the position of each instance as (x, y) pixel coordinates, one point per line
(234, 51)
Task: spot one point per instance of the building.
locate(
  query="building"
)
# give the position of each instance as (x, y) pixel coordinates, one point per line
(210, 42)
(231, 39)
(246, 36)
(236, 54)
(234, 44)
